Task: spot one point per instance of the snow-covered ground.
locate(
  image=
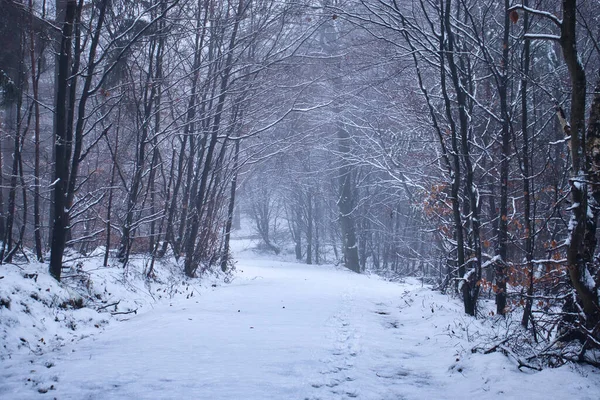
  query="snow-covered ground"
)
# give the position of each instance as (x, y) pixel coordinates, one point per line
(282, 330)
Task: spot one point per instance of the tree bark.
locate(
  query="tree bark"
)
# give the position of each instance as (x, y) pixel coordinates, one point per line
(501, 263)
(225, 257)
(35, 75)
(526, 173)
(61, 168)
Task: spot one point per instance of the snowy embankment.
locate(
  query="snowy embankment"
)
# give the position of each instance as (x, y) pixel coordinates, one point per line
(283, 330)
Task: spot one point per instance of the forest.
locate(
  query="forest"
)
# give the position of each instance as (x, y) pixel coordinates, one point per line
(457, 141)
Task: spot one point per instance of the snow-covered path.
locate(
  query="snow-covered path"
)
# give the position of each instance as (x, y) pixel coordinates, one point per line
(282, 330)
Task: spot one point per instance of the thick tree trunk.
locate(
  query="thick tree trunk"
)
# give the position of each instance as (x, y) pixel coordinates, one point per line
(346, 204)
(501, 263)
(585, 156)
(61, 166)
(35, 75)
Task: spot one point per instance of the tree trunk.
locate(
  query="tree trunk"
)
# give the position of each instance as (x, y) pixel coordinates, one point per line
(191, 262)
(61, 167)
(470, 287)
(35, 75)
(585, 165)
(526, 172)
(501, 263)
(309, 228)
(225, 257)
(113, 171)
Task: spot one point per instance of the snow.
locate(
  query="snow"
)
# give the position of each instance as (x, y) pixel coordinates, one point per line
(465, 279)
(572, 222)
(492, 261)
(579, 181)
(282, 330)
(588, 281)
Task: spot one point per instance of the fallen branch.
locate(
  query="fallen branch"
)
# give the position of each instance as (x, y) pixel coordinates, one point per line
(507, 352)
(124, 312)
(521, 364)
(108, 305)
(495, 347)
(584, 360)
